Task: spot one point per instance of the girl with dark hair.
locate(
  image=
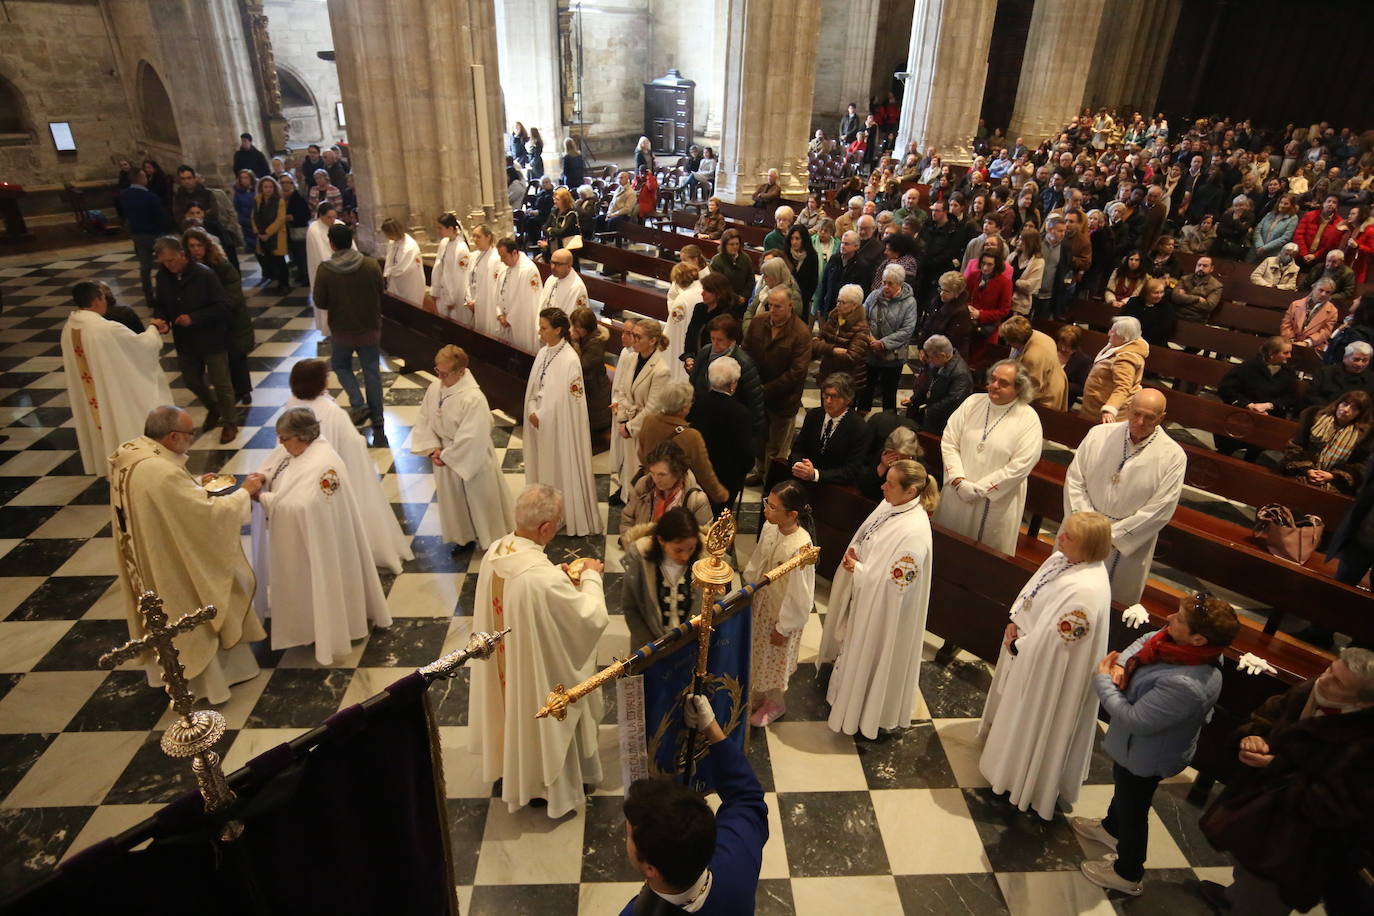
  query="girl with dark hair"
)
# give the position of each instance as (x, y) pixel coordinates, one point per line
(801, 257)
(718, 298)
(781, 610)
(656, 593)
(1126, 281)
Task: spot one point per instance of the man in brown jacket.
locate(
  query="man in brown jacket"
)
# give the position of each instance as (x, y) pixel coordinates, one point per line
(349, 287)
(780, 346)
(669, 421)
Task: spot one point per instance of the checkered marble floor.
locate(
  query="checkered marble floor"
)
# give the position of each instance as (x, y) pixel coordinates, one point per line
(905, 824)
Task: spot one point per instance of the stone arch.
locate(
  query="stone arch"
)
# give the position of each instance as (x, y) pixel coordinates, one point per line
(14, 121)
(159, 118)
(300, 107)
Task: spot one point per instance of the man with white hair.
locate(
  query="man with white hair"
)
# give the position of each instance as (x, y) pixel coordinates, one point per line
(783, 218)
(1132, 473)
(1313, 746)
(941, 387)
(725, 421)
(1350, 374)
(768, 193)
(555, 614)
(564, 289)
(1278, 271)
(624, 205)
(846, 220)
(1342, 278)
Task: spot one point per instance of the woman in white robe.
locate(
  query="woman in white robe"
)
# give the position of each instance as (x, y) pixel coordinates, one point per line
(310, 550)
(648, 373)
(877, 619)
(389, 544)
(990, 444)
(452, 275)
(486, 266)
(620, 393)
(454, 430)
(556, 436)
(1041, 710)
(781, 610)
(404, 271)
(683, 295)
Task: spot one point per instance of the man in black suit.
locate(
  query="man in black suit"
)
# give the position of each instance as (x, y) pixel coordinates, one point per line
(832, 446)
(941, 387)
(726, 426)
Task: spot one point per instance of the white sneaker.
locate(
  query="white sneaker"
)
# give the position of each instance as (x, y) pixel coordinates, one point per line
(1090, 828)
(1102, 872)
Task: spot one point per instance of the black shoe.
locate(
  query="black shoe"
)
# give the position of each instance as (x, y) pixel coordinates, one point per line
(379, 439)
(1215, 895)
(211, 420)
(246, 400)
(360, 415)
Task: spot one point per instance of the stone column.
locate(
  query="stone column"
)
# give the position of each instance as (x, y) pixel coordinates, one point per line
(422, 96)
(947, 68)
(1054, 74)
(527, 42)
(1159, 26)
(770, 61)
(1128, 62)
(844, 62)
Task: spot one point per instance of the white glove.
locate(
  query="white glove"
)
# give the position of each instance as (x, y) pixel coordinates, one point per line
(697, 712)
(1135, 616)
(969, 491)
(1253, 664)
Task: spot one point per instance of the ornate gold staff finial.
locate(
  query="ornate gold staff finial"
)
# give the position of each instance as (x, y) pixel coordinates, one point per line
(711, 574)
(197, 730)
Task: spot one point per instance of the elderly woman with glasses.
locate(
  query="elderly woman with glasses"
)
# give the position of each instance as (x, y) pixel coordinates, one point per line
(316, 577)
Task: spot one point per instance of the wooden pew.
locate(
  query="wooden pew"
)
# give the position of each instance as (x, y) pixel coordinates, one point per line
(1164, 361)
(676, 241)
(1219, 418)
(616, 298)
(1236, 285)
(619, 261)
(748, 216)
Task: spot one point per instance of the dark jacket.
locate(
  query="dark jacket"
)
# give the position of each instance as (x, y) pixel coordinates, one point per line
(838, 274)
(197, 293)
(253, 160)
(697, 335)
(657, 428)
(748, 392)
(1197, 296)
(724, 422)
(782, 361)
(1321, 766)
(740, 273)
(592, 353)
(1301, 453)
(349, 287)
(1252, 383)
(1330, 382)
(842, 459)
(240, 321)
(574, 171)
(943, 250)
(948, 318)
(142, 210)
(848, 331)
(1158, 323)
(1076, 371)
(937, 393)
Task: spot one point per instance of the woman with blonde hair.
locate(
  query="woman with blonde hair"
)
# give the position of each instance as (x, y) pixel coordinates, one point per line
(404, 271)
(1041, 710)
(684, 292)
(876, 624)
(269, 228)
(574, 166)
(649, 372)
(563, 223)
(644, 154)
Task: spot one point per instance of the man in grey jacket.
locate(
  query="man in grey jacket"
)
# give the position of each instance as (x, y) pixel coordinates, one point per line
(1159, 693)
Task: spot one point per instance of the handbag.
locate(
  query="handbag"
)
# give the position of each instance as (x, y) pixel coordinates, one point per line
(1286, 536)
(296, 233)
(572, 242)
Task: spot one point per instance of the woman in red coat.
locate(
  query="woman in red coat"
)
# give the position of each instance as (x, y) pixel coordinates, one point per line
(1360, 242)
(989, 299)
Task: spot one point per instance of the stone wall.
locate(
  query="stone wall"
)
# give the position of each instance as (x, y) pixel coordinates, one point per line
(57, 56)
(615, 65)
(299, 29)
(689, 35)
(894, 39)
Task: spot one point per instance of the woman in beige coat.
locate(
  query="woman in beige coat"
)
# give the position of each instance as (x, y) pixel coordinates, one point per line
(649, 372)
(1040, 355)
(1116, 372)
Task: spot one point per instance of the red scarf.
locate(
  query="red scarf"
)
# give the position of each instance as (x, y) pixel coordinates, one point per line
(1161, 648)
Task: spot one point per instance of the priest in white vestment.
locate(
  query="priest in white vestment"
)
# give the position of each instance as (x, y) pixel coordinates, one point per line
(403, 269)
(877, 619)
(390, 545)
(684, 292)
(310, 549)
(317, 251)
(174, 538)
(564, 289)
(1132, 473)
(454, 430)
(486, 270)
(113, 377)
(554, 628)
(1041, 710)
(451, 279)
(556, 436)
(990, 445)
(517, 297)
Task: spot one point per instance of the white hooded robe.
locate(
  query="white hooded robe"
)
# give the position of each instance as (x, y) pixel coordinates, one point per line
(559, 452)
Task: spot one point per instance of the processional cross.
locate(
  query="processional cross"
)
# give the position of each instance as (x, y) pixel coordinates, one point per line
(197, 730)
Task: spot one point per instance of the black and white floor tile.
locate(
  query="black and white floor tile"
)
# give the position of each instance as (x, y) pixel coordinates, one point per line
(906, 824)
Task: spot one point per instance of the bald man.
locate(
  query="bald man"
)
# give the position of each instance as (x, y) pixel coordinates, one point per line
(1131, 472)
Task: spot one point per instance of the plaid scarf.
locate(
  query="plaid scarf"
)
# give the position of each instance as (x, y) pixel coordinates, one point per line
(1337, 441)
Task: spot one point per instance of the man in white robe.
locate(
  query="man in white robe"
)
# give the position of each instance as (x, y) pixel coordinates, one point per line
(486, 270)
(878, 603)
(390, 545)
(517, 297)
(310, 549)
(451, 279)
(1132, 473)
(404, 269)
(174, 538)
(564, 289)
(317, 251)
(454, 430)
(555, 625)
(113, 377)
(990, 444)
(1041, 710)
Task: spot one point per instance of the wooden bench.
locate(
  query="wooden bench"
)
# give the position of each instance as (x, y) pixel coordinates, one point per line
(748, 216)
(616, 298)
(676, 241)
(615, 261)
(1223, 419)
(1163, 361)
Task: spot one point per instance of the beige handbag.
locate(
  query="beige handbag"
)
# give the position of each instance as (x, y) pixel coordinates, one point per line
(1286, 536)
